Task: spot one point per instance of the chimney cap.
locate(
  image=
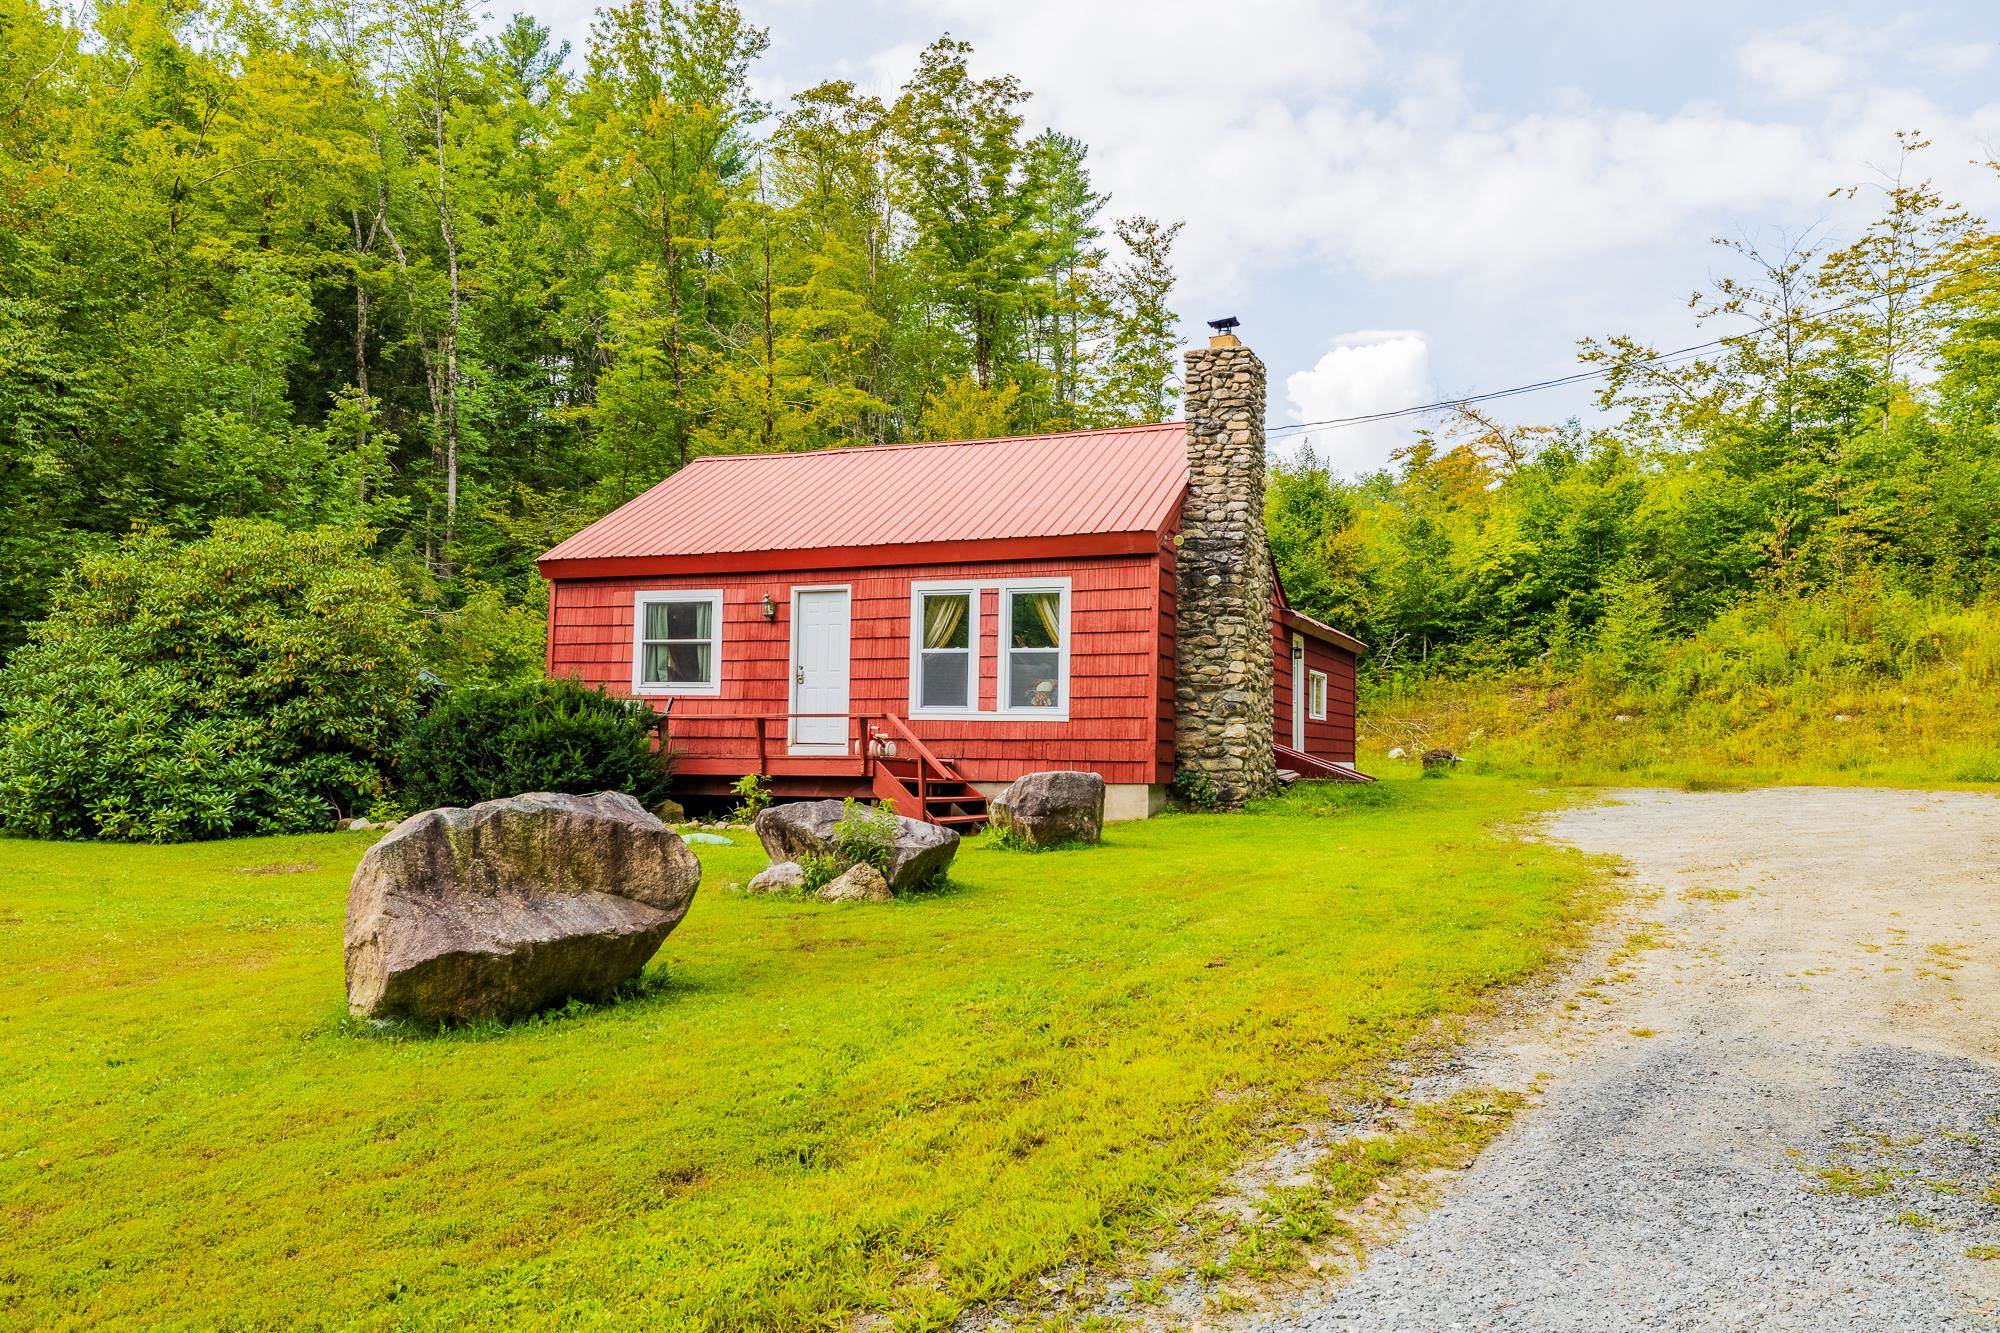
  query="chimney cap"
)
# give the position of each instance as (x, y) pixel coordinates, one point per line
(1225, 324)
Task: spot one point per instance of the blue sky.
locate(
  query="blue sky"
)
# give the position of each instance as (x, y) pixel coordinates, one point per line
(1421, 200)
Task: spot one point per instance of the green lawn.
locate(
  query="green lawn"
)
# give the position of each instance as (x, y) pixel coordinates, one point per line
(811, 1111)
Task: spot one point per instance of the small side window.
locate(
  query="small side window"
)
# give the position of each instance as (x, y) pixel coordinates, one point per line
(1316, 696)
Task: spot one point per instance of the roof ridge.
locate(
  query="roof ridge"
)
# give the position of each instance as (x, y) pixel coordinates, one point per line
(927, 444)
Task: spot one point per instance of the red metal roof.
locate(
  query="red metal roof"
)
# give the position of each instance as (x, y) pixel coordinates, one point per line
(1128, 480)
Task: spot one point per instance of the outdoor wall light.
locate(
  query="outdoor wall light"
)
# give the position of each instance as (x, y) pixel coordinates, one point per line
(770, 608)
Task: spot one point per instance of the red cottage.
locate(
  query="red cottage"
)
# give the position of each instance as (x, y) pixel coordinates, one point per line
(924, 623)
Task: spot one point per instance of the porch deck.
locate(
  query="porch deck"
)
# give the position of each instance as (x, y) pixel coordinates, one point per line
(876, 757)
(733, 744)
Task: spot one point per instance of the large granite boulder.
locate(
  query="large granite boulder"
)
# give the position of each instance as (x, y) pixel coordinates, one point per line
(793, 832)
(510, 906)
(1049, 809)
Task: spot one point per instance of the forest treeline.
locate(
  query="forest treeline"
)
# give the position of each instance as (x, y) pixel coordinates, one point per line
(369, 268)
(1772, 533)
(359, 264)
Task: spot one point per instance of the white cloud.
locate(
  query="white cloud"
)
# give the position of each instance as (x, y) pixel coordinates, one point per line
(1833, 56)
(1371, 370)
(1954, 60)
(1795, 66)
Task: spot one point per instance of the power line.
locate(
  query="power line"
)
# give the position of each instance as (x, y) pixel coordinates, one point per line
(1658, 358)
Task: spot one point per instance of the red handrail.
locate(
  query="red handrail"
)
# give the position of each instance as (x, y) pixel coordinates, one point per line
(926, 761)
(853, 741)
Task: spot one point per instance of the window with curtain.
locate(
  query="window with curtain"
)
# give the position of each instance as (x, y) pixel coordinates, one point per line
(679, 641)
(1034, 671)
(1316, 696)
(945, 677)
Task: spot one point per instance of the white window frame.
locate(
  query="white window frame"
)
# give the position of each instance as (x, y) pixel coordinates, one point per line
(651, 596)
(1316, 687)
(1003, 647)
(971, 593)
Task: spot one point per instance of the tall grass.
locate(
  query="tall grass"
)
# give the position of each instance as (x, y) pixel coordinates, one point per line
(1862, 683)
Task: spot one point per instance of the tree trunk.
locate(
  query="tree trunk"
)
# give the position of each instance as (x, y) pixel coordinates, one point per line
(362, 245)
(449, 424)
(770, 355)
(672, 255)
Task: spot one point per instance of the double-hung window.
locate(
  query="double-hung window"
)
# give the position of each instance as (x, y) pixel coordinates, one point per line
(677, 645)
(1031, 650)
(1316, 696)
(947, 635)
(1034, 671)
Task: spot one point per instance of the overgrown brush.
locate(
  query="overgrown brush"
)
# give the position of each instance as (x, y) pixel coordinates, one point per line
(250, 681)
(1863, 681)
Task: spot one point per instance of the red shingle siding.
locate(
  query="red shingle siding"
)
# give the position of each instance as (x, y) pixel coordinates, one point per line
(1332, 739)
(1167, 619)
(1115, 649)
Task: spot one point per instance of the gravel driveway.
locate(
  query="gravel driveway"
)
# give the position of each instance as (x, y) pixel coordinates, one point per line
(1784, 1116)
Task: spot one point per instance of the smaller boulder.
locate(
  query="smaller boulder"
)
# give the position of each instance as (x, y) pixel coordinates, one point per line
(860, 883)
(1439, 761)
(670, 811)
(1049, 809)
(784, 877)
(921, 852)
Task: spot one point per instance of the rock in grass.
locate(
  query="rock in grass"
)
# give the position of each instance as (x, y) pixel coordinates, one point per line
(1439, 761)
(512, 905)
(861, 883)
(793, 832)
(1049, 809)
(784, 877)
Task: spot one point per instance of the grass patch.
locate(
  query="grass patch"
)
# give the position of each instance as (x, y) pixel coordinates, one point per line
(1854, 1183)
(802, 1114)
(1713, 895)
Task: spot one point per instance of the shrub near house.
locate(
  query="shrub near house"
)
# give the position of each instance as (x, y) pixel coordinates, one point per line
(481, 744)
(249, 682)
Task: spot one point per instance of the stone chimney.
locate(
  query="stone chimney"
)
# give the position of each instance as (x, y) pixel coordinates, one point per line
(1222, 666)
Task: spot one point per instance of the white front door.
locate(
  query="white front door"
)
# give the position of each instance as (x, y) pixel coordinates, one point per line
(819, 670)
(1300, 682)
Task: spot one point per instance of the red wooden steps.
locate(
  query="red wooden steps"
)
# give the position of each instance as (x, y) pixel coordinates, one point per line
(920, 785)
